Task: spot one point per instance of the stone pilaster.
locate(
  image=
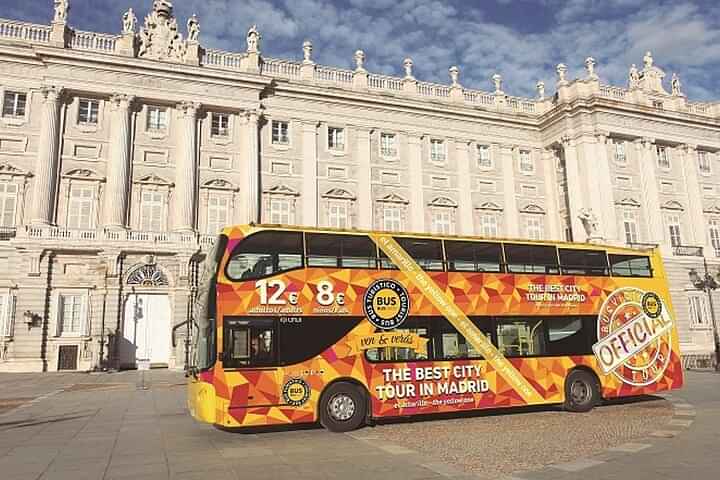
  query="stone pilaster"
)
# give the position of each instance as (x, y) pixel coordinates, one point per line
(511, 217)
(551, 193)
(118, 178)
(465, 207)
(574, 186)
(604, 204)
(415, 174)
(47, 164)
(698, 222)
(364, 194)
(253, 165)
(650, 191)
(310, 174)
(186, 169)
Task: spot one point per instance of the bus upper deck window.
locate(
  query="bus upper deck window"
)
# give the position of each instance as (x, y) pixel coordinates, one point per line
(473, 256)
(427, 253)
(583, 262)
(531, 259)
(630, 265)
(346, 251)
(266, 253)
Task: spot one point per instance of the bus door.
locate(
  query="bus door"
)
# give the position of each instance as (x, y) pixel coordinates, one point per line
(250, 358)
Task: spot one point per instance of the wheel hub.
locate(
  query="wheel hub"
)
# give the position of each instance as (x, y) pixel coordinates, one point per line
(341, 407)
(580, 392)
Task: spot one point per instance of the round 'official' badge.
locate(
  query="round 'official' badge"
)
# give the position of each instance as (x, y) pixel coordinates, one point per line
(634, 336)
(386, 304)
(296, 392)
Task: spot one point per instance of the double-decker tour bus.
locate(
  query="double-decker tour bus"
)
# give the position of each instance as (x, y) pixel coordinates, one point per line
(298, 325)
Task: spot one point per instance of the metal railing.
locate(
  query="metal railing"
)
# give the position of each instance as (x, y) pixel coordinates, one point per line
(687, 251)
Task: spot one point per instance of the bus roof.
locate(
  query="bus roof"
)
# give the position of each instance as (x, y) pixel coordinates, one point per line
(231, 231)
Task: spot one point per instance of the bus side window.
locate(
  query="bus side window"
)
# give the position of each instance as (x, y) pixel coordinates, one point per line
(266, 253)
(570, 335)
(451, 344)
(343, 251)
(473, 256)
(583, 262)
(531, 259)
(418, 326)
(520, 337)
(427, 253)
(250, 343)
(630, 265)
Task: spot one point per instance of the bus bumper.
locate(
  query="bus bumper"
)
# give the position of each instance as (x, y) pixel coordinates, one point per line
(201, 401)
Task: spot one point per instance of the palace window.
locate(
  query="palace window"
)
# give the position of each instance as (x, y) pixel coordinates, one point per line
(699, 308)
(619, 152)
(81, 207)
(88, 111)
(157, 119)
(673, 222)
(14, 104)
(338, 214)
(72, 314)
(336, 138)
(392, 219)
(7, 314)
(663, 157)
(220, 125)
(630, 227)
(218, 213)
(483, 157)
(442, 221)
(437, 150)
(526, 162)
(280, 211)
(388, 145)
(152, 212)
(704, 162)
(534, 227)
(280, 133)
(714, 231)
(489, 225)
(8, 203)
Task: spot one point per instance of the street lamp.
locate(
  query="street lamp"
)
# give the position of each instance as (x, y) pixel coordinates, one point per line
(708, 284)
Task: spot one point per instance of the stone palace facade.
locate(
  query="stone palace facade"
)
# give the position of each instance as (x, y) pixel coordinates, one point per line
(122, 155)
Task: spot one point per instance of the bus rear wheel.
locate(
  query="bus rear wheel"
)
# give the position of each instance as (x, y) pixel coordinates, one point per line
(582, 392)
(343, 407)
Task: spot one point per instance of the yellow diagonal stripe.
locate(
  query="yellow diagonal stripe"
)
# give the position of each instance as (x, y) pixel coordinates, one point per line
(456, 317)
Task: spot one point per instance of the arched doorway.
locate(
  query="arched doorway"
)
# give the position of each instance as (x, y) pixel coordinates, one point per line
(146, 318)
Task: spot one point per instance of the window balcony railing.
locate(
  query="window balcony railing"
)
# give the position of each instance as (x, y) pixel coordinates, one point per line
(687, 251)
(642, 245)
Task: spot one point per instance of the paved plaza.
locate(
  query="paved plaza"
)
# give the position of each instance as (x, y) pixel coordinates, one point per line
(135, 426)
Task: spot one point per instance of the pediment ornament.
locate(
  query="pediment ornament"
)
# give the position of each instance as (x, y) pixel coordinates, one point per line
(393, 198)
(282, 189)
(339, 193)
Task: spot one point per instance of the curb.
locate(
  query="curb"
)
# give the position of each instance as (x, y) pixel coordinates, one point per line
(683, 417)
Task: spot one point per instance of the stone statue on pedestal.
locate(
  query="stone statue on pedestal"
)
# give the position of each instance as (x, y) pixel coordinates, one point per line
(676, 85)
(129, 22)
(193, 28)
(634, 77)
(62, 7)
(253, 40)
(590, 223)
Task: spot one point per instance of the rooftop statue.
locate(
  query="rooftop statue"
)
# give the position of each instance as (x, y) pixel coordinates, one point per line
(193, 28)
(253, 40)
(129, 22)
(634, 77)
(62, 7)
(159, 37)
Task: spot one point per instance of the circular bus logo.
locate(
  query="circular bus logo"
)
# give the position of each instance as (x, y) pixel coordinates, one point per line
(296, 392)
(634, 336)
(386, 304)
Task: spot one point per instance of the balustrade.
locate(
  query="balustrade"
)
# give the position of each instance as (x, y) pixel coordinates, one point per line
(24, 31)
(100, 42)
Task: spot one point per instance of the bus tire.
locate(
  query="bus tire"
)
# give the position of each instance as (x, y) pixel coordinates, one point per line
(582, 391)
(343, 407)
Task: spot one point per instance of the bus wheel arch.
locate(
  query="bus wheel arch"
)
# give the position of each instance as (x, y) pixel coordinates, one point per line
(582, 390)
(344, 405)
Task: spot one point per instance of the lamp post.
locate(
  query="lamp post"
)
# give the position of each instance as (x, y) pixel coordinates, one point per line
(708, 284)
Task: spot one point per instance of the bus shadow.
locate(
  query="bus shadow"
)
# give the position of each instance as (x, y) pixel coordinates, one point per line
(430, 417)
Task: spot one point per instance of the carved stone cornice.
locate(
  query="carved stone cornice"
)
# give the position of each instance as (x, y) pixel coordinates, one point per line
(121, 100)
(51, 93)
(189, 108)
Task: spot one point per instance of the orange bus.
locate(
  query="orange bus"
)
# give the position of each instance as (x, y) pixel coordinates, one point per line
(298, 325)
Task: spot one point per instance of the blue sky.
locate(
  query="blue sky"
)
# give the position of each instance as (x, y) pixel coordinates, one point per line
(521, 39)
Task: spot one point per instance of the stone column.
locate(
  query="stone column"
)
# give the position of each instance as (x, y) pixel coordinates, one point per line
(364, 194)
(118, 178)
(650, 191)
(253, 162)
(698, 222)
(574, 188)
(417, 209)
(604, 204)
(186, 169)
(551, 193)
(47, 165)
(310, 174)
(511, 218)
(465, 207)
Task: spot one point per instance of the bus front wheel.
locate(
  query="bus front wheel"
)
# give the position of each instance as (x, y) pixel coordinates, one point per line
(581, 391)
(343, 407)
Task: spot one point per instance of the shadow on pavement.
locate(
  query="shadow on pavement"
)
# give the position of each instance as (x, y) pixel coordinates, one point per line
(42, 421)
